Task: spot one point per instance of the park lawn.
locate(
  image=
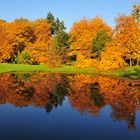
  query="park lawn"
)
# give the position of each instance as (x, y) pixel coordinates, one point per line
(129, 72)
(5, 67)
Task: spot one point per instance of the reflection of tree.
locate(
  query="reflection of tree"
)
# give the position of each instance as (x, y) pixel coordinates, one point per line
(39, 89)
(83, 94)
(96, 96)
(122, 97)
(88, 93)
(56, 98)
(22, 76)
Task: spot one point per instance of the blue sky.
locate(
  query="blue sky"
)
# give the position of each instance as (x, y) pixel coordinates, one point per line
(67, 10)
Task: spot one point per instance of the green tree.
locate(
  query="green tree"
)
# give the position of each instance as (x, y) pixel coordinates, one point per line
(136, 12)
(99, 42)
(51, 20)
(59, 26)
(61, 40)
(56, 25)
(23, 58)
(58, 50)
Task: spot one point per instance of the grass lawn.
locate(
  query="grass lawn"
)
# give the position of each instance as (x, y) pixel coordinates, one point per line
(5, 67)
(130, 72)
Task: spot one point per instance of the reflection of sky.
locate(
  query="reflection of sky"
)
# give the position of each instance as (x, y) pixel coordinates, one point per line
(63, 123)
(68, 10)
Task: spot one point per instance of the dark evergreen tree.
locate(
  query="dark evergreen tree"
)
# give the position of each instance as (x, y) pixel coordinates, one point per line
(56, 25)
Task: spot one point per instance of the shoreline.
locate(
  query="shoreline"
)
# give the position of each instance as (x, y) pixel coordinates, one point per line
(127, 72)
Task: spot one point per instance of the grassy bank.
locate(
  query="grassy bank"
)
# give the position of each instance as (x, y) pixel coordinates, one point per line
(130, 72)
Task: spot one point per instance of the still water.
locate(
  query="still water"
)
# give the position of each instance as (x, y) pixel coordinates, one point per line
(44, 106)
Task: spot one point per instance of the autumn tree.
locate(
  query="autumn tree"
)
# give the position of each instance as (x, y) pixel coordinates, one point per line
(5, 48)
(42, 30)
(20, 32)
(127, 36)
(38, 49)
(111, 58)
(124, 47)
(22, 39)
(82, 35)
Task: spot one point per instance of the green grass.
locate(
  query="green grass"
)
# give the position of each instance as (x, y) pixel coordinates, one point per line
(129, 72)
(4, 67)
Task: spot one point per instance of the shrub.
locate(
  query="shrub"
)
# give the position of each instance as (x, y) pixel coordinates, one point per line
(23, 58)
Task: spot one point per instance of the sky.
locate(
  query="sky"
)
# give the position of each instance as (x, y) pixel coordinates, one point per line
(68, 10)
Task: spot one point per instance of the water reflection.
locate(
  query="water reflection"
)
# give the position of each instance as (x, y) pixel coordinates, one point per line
(87, 94)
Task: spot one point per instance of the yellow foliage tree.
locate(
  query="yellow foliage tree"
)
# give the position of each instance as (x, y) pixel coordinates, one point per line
(127, 36)
(82, 35)
(20, 32)
(5, 48)
(125, 47)
(111, 58)
(38, 49)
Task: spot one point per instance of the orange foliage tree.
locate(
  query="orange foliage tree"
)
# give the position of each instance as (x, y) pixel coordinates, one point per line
(5, 48)
(90, 43)
(111, 58)
(127, 34)
(125, 45)
(20, 33)
(82, 35)
(38, 49)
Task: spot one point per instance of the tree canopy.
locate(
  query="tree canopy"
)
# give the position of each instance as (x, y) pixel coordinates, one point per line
(89, 43)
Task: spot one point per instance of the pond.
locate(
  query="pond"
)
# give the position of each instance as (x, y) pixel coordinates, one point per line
(41, 106)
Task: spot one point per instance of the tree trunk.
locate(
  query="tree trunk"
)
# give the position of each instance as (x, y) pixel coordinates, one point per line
(138, 61)
(130, 62)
